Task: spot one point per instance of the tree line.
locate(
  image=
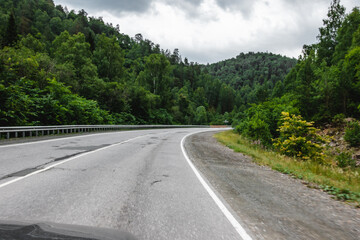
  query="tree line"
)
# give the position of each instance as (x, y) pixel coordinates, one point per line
(254, 75)
(324, 85)
(65, 67)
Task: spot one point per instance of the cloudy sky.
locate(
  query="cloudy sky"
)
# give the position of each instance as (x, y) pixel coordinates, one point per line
(207, 31)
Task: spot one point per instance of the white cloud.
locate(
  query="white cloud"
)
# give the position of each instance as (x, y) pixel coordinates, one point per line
(205, 31)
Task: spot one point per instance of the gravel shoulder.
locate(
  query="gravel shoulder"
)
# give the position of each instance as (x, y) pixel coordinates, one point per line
(269, 204)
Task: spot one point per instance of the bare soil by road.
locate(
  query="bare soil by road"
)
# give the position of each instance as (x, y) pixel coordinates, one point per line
(269, 204)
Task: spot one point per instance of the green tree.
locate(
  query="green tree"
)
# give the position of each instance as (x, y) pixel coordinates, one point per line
(226, 99)
(33, 43)
(201, 116)
(327, 94)
(328, 33)
(74, 53)
(56, 25)
(156, 77)
(350, 82)
(11, 33)
(305, 89)
(108, 58)
(345, 35)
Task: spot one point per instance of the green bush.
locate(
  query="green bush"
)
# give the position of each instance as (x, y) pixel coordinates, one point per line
(255, 128)
(298, 138)
(344, 160)
(259, 122)
(338, 119)
(352, 134)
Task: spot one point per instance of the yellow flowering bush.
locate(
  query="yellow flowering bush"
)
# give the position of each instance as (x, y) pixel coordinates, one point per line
(299, 138)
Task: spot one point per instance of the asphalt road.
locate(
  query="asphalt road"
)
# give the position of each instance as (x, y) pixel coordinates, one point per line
(137, 181)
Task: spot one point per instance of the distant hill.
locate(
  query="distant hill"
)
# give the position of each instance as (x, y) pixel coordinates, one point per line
(252, 69)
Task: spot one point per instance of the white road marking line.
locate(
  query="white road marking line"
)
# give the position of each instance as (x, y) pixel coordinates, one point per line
(63, 138)
(243, 234)
(67, 160)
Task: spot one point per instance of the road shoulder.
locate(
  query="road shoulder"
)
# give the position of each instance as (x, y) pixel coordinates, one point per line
(271, 204)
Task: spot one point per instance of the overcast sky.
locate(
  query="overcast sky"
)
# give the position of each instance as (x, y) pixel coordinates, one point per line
(207, 31)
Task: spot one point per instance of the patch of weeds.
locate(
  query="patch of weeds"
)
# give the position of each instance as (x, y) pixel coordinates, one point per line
(344, 160)
(352, 134)
(341, 194)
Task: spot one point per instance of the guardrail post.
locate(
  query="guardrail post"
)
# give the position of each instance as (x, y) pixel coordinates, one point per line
(7, 135)
(23, 134)
(16, 134)
(30, 133)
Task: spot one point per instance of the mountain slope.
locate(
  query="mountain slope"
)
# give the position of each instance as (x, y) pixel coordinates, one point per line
(251, 69)
(65, 67)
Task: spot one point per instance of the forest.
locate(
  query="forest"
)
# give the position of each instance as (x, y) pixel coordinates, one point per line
(58, 66)
(65, 67)
(323, 87)
(253, 75)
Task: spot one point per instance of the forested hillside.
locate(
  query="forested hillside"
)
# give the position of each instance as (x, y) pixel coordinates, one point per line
(323, 87)
(62, 67)
(254, 74)
(65, 67)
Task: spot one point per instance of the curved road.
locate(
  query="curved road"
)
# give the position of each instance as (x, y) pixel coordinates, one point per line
(137, 181)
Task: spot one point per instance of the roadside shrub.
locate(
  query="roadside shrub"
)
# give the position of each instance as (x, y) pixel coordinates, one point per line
(260, 122)
(352, 134)
(344, 160)
(338, 119)
(298, 138)
(255, 128)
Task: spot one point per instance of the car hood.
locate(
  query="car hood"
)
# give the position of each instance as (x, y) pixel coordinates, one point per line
(11, 230)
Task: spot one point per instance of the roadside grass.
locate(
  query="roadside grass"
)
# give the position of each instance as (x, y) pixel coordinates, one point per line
(343, 184)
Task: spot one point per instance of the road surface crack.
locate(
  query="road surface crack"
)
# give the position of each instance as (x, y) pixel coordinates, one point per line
(155, 182)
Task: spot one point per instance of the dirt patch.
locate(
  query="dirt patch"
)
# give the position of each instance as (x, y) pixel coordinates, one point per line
(338, 144)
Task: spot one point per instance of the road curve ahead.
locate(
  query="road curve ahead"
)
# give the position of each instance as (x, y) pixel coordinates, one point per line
(137, 181)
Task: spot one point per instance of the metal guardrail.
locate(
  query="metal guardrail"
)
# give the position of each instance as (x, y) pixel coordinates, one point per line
(30, 131)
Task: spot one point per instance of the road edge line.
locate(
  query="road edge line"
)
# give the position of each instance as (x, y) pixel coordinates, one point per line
(65, 161)
(241, 231)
